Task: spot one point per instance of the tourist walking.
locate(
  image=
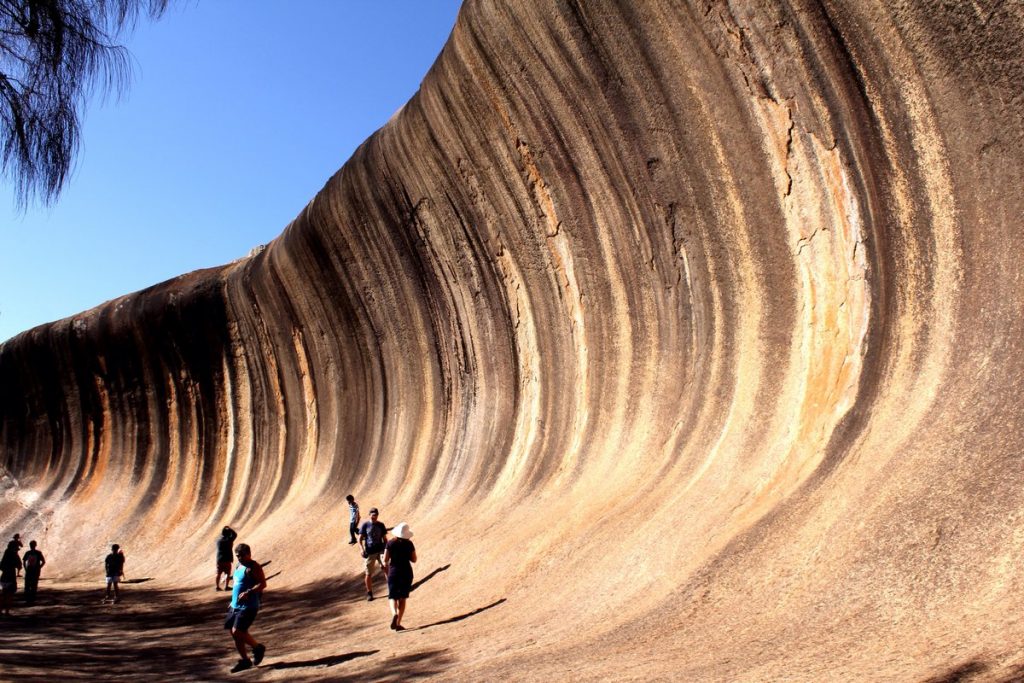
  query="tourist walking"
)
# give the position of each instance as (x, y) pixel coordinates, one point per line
(246, 597)
(373, 537)
(399, 554)
(353, 518)
(32, 562)
(114, 566)
(224, 544)
(10, 564)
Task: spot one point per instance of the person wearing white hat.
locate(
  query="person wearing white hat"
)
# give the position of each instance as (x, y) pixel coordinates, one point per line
(399, 554)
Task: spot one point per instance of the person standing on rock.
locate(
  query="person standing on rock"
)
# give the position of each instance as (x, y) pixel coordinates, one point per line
(399, 554)
(246, 597)
(17, 539)
(373, 537)
(33, 562)
(353, 518)
(224, 545)
(114, 566)
(10, 564)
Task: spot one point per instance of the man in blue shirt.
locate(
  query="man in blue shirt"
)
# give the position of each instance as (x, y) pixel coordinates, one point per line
(373, 536)
(246, 595)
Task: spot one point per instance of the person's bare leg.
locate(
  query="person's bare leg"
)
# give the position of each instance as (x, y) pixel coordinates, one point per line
(393, 607)
(400, 611)
(240, 641)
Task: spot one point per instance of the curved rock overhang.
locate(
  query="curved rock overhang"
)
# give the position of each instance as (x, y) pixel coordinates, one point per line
(711, 309)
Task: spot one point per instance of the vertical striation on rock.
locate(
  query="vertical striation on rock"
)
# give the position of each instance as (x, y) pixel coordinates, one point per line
(712, 306)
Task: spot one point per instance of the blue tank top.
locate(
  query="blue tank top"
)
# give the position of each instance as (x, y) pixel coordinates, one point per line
(244, 580)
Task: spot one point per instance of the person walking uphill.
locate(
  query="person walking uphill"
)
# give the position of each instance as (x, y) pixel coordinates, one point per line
(33, 562)
(399, 555)
(246, 598)
(373, 536)
(353, 518)
(224, 543)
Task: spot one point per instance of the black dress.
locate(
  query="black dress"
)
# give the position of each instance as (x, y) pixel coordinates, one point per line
(400, 552)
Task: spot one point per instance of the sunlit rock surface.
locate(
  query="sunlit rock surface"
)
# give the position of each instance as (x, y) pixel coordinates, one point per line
(691, 330)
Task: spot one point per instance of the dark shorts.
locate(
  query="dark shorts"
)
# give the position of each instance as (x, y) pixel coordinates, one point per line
(240, 619)
(224, 566)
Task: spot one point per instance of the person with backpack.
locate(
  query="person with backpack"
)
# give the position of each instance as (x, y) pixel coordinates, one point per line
(10, 564)
(373, 537)
(114, 565)
(33, 562)
(224, 545)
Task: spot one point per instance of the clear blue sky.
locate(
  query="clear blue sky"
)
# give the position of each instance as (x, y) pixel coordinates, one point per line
(239, 112)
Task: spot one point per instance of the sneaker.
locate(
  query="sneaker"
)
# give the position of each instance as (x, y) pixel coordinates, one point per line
(352, 542)
(242, 665)
(257, 653)
(369, 597)
(394, 623)
(399, 627)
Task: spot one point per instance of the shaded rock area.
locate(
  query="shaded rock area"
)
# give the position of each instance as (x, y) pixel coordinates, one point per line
(686, 335)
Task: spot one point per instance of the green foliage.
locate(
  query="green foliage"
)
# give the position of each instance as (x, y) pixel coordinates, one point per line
(53, 55)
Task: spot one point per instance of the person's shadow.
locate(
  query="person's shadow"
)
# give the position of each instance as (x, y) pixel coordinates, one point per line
(467, 615)
(428, 577)
(333, 660)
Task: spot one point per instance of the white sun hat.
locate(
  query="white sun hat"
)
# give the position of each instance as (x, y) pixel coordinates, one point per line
(402, 530)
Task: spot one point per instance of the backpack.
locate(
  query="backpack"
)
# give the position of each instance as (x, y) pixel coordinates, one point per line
(115, 564)
(9, 560)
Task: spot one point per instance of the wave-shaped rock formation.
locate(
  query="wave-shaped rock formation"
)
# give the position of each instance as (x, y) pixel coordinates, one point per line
(691, 329)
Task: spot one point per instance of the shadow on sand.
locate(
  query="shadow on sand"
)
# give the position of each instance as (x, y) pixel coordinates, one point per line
(323, 661)
(428, 577)
(467, 615)
(162, 634)
(961, 673)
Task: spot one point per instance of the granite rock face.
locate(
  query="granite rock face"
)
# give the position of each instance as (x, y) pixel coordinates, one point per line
(694, 328)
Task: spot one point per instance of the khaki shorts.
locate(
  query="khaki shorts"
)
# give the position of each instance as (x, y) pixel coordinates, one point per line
(373, 559)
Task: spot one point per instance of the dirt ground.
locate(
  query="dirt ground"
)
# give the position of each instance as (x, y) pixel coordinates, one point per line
(323, 631)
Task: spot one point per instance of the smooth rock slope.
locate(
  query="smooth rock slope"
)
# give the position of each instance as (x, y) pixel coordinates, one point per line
(688, 335)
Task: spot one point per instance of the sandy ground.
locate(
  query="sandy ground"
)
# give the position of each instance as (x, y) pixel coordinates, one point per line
(323, 631)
